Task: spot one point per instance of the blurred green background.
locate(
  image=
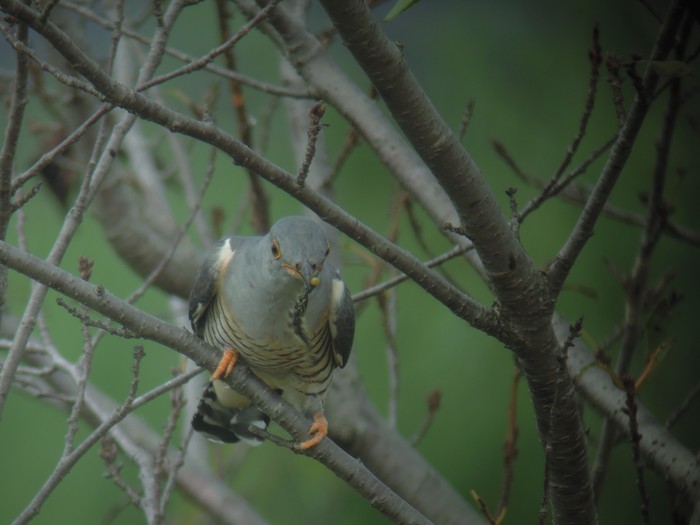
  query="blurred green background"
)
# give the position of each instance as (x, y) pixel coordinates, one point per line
(525, 65)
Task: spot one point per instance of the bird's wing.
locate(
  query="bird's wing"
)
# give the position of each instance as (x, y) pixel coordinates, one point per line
(341, 321)
(208, 280)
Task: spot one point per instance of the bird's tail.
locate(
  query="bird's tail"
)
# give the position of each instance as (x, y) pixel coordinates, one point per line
(227, 425)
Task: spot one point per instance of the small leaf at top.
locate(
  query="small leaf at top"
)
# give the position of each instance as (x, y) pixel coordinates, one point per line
(399, 7)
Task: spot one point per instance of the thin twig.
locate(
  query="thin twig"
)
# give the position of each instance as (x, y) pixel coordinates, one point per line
(69, 80)
(109, 454)
(83, 370)
(177, 403)
(631, 411)
(316, 113)
(510, 447)
(8, 151)
(387, 307)
(466, 118)
(677, 414)
(174, 468)
(583, 230)
(73, 219)
(170, 252)
(50, 156)
(433, 402)
(352, 140)
(66, 463)
(271, 89)
(202, 62)
(84, 318)
(613, 64)
(394, 281)
(595, 55)
(260, 202)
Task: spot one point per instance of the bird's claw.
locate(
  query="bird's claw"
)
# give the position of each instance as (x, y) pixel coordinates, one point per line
(318, 430)
(225, 367)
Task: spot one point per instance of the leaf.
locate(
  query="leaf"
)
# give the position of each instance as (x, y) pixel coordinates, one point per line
(399, 7)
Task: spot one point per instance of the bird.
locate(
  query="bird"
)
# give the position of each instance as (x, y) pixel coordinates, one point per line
(275, 302)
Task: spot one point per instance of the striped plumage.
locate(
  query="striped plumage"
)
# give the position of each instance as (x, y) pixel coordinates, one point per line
(288, 314)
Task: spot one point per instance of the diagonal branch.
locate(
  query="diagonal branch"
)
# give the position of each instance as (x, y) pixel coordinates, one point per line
(436, 144)
(138, 104)
(154, 329)
(661, 450)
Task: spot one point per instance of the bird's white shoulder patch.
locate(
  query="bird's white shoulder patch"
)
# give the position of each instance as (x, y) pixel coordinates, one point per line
(225, 253)
(224, 256)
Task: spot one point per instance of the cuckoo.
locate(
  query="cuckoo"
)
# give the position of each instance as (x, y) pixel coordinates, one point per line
(275, 302)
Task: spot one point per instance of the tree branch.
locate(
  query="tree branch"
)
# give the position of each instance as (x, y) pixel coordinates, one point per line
(661, 450)
(436, 144)
(329, 82)
(140, 105)
(621, 149)
(7, 153)
(524, 301)
(242, 380)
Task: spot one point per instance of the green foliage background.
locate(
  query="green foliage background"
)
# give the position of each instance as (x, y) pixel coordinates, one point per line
(525, 65)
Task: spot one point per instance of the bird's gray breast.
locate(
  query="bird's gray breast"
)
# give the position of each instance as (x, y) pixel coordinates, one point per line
(265, 324)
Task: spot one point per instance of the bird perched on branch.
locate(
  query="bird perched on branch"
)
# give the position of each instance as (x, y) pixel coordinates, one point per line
(275, 302)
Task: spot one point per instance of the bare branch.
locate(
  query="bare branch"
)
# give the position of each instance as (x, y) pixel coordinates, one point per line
(7, 156)
(88, 189)
(660, 449)
(461, 305)
(184, 57)
(583, 230)
(149, 327)
(316, 114)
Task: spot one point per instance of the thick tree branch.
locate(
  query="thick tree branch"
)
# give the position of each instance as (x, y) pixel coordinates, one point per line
(140, 105)
(525, 304)
(152, 328)
(306, 54)
(479, 215)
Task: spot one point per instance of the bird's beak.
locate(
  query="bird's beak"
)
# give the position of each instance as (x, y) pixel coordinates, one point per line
(307, 273)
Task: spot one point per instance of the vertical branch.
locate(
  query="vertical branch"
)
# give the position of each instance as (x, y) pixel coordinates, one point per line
(596, 57)
(636, 285)
(260, 199)
(316, 113)
(7, 153)
(387, 307)
(466, 118)
(635, 438)
(83, 368)
(510, 447)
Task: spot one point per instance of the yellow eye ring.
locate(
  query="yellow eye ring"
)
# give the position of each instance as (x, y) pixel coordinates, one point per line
(275, 249)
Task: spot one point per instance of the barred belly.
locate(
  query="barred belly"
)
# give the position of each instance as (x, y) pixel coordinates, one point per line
(284, 363)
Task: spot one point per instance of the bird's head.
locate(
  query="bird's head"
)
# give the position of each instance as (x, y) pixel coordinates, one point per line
(296, 249)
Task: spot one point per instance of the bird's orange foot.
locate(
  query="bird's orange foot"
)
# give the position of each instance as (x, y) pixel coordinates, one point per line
(228, 360)
(318, 430)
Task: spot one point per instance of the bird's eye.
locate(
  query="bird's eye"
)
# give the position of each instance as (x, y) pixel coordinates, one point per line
(275, 249)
